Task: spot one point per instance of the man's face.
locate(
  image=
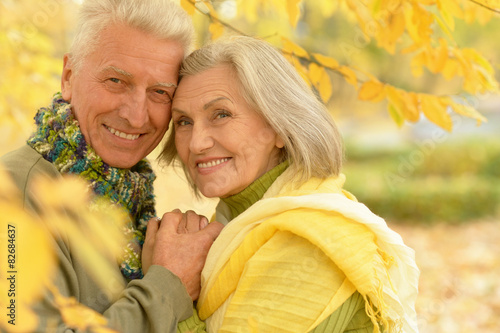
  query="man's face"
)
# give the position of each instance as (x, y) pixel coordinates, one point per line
(122, 93)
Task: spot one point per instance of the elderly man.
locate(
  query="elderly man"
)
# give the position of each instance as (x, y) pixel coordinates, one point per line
(114, 108)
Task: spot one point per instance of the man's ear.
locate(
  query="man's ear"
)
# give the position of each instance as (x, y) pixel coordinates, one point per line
(66, 77)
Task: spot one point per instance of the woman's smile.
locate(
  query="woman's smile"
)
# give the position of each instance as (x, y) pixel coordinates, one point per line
(208, 166)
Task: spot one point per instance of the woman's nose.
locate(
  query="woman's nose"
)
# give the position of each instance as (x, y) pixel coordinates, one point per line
(201, 139)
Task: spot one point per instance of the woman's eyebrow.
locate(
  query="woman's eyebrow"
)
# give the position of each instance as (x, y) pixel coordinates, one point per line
(209, 104)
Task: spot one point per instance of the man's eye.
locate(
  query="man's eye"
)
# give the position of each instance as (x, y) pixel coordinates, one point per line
(161, 92)
(115, 80)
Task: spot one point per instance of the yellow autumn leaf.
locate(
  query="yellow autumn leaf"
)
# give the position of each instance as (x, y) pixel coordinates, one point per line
(486, 80)
(216, 30)
(442, 55)
(411, 102)
(325, 61)
(411, 25)
(450, 6)
(27, 260)
(418, 24)
(468, 111)
(372, 91)
(292, 7)
(486, 15)
(188, 6)
(436, 111)
(394, 98)
(474, 56)
(292, 48)
(325, 86)
(438, 58)
(303, 72)
(395, 115)
(448, 19)
(315, 73)
(451, 69)
(349, 75)
(444, 27)
(79, 316)
(405, 103)
(92, 225)
(395, 27)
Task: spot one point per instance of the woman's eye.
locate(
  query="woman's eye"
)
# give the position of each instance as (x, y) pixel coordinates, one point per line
(182, 122)
(222, 114)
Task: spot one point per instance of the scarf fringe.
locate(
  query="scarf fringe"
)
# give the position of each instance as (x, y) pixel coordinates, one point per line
(376, 307)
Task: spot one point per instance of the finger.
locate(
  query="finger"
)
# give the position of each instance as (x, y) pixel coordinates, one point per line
(171, 221)
(152, 229)
(182, 227)
(149, 242)
(213, 229)
(193, 221)
(203, 222)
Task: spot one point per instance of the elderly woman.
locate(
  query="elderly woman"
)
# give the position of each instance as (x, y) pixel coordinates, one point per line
(297, 253)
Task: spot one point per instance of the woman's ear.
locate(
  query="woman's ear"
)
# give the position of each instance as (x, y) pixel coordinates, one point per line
(279, 142)
(66, 78)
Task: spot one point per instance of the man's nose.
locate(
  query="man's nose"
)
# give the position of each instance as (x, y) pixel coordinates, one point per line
(135, 111)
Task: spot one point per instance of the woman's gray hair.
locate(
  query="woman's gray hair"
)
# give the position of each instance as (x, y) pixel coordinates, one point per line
(163, 19)
(275, 90)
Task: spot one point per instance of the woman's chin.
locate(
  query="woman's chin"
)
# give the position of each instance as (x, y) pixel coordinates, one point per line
(211, 191)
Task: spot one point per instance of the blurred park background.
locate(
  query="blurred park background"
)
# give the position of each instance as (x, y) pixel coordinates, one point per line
(439, 189)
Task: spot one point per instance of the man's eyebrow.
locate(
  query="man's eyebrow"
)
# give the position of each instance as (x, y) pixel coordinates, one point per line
(118, 70)
(166, 84)
(127, 74)
(207, 105)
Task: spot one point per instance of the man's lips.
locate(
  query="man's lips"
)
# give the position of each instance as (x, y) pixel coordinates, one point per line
(122, 134)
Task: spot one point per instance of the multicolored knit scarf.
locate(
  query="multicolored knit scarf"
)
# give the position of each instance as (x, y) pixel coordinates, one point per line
(59, 140)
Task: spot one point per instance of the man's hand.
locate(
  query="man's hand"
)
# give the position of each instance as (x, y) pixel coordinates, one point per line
(180, 243)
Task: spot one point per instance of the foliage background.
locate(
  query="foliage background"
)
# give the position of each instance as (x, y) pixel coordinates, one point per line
(438, 188)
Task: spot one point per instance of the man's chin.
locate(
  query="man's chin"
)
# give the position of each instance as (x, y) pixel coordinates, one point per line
(121, 162)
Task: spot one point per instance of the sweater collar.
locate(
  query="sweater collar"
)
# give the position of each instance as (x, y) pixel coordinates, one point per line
(240, 202)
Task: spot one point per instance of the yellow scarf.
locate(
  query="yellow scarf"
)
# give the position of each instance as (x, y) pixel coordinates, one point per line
(295, 256)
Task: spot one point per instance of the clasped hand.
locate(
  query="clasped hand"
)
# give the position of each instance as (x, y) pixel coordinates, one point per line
(180, 243)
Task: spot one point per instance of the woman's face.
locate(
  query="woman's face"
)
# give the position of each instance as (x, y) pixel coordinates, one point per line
(223, 142)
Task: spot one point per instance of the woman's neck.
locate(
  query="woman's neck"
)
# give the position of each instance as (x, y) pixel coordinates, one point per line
(240, 202)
